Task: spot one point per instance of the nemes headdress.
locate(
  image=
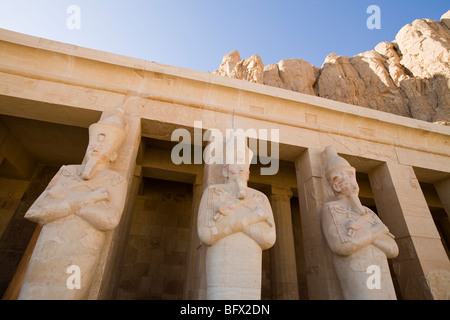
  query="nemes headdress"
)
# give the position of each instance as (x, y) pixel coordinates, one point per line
(334, 163)
(236, 149)
(111, 128)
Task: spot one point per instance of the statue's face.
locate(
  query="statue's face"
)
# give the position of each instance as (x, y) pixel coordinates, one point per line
(99, 152)
(99, 148)
(344, 182)
(239, 171)
(238, 175)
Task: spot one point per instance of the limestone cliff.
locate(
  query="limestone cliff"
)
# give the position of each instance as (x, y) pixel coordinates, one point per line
(409, 76)
(250, 69)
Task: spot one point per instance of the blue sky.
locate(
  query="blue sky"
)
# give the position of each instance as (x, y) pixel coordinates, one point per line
(196, 34)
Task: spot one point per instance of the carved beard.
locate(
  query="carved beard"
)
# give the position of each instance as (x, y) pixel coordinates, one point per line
(242, 187)
(355, 203)
(89, 171)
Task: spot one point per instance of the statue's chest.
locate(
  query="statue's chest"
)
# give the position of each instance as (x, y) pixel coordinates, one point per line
(70, 178)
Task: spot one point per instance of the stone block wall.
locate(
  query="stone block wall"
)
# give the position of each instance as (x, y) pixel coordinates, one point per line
(155, 259)
(11, 191)
(18, 231)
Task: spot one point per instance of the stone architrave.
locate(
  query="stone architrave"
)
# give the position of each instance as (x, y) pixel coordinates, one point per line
(236, 223)
(360, 242)
(79, 205)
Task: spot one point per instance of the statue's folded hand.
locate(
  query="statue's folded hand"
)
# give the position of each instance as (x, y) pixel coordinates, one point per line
(353, 225)
(379, 228)
(225, 209)
(58, 191)
(100, 194)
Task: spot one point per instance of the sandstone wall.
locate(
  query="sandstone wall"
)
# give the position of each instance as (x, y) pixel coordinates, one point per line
(409, 76)
(155, 259)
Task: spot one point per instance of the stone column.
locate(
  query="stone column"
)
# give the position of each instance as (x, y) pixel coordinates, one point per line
(121, 236)
(212, 174)
(126, 165)
(443, 190)
(422, 266)
(190, 291)
(321, 277)
(283, 264)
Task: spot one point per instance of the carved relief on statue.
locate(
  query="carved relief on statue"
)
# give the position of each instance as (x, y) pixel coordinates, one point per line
(236, 223)
(77, 207)
(358, 239)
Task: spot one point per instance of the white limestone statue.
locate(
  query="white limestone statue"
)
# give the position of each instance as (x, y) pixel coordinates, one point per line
(78, 206)
(236, 223)
(360, 242)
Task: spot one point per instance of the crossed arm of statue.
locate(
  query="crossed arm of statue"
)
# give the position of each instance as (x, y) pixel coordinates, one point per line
(245, 212)
(357, 235)
(98, 206)
(386, 243)
(377, 234)
(59, 201)
(250, 216)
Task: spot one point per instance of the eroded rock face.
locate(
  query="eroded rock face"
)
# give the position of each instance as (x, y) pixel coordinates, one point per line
(339, 80)
(409, 76)
(250, 69)
(363, 80)
(425, 48)
(292, 74)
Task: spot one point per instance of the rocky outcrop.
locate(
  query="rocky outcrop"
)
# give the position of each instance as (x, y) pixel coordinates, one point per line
(250, 69)
(363, 80)
(409, 76)
(425, 53)
(292, 74)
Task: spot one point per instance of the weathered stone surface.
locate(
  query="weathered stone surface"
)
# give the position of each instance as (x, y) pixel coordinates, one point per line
(358, 239)
(425, 48)
(339, 80)
(396, 71)
(292, 74)
(408, 76)
(229, 61)
(250, 69)
(362, 80)
(79, 205)
(236, 223)
(428, 98)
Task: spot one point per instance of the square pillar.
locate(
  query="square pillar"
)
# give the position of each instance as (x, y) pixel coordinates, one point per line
(126, 165)
(212, 174)
(321, 277)
(283, 264)
(122, 233)
(422, 266)
(190, 290)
